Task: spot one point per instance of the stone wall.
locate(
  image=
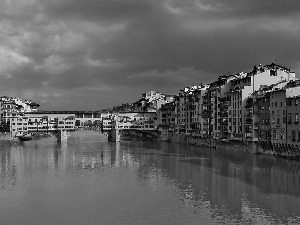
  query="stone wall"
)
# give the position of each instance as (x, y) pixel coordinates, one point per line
(216, 144)
(279, 150)
(266, 148)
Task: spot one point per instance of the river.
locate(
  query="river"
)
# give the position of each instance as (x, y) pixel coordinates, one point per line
(90, 181)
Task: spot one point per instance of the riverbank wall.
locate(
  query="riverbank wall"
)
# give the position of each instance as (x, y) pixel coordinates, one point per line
(212, 143)
(265, 148)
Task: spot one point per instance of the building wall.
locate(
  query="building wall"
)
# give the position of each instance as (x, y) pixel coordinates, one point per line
(293, 126)
(278, 117)
(39, 122)
(264, 118)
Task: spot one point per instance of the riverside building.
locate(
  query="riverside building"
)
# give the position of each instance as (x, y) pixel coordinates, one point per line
(41, 122)
(228, 109)
(187, 110)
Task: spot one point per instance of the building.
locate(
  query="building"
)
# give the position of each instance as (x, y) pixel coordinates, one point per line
(263, 104)
(243, 117)
(41, 122)
(13, 107)
(135, 120)
(185, 109)
(292, 109)
(166, 116)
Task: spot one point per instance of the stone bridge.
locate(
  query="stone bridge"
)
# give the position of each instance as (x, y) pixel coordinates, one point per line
(115, 135)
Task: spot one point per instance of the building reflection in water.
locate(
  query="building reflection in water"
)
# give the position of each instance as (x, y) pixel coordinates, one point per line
(229, 185)
(8, 170)
(234, 186)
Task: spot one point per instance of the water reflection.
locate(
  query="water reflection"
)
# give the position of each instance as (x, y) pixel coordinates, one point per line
(8, 171)
(234, 186)
(220, 187)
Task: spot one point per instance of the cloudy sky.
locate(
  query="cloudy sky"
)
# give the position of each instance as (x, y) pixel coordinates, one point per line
(93, 54)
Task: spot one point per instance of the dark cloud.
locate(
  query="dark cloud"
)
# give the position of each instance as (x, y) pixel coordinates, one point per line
(69, 54)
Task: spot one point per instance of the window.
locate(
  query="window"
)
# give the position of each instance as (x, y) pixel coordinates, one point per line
(296, 102)
(281, 135)
(290, 118)
(275, 104)
(293, 135)
(274, 134)
(296, 118)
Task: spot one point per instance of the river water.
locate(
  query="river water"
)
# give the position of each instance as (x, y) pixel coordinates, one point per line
(90, 181)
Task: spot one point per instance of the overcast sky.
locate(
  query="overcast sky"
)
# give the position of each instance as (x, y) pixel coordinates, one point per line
(93, 54)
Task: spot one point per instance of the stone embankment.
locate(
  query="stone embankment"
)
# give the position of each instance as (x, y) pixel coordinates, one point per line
(266, 148)
(212, 143)
(283, 151)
